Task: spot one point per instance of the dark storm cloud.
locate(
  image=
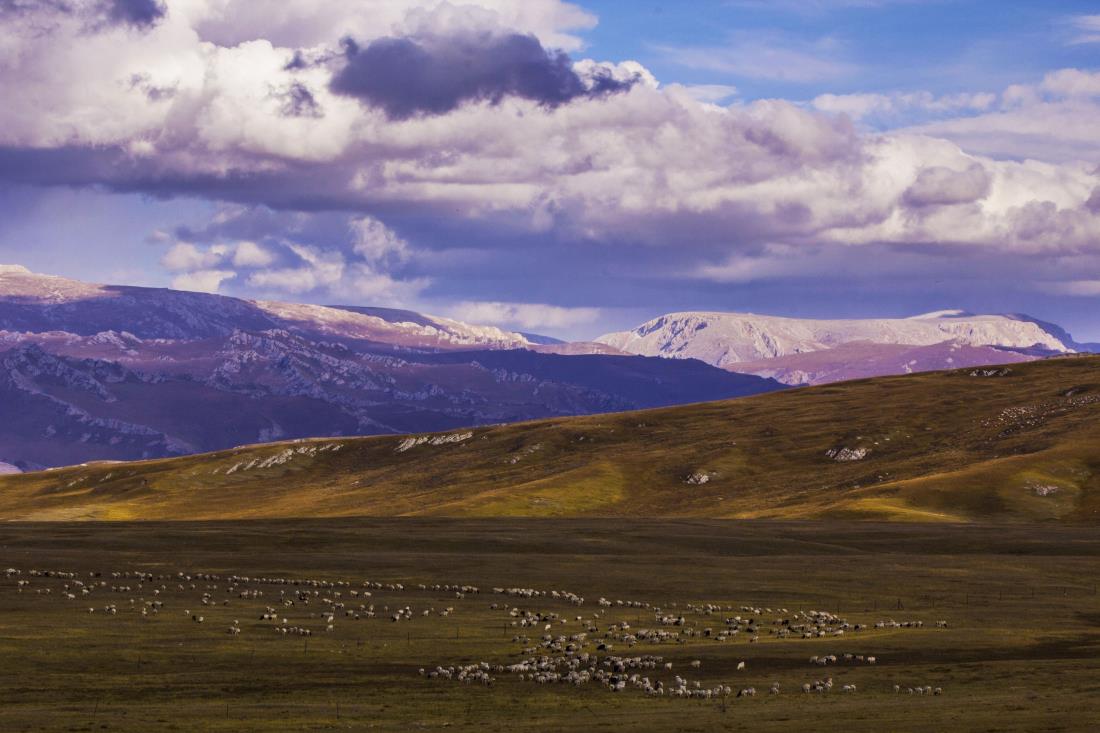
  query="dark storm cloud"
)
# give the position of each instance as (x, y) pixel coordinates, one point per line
(97, 15)
(268, 226)
(406, 76)
(140, 13)
(18, 7)
(294, 186)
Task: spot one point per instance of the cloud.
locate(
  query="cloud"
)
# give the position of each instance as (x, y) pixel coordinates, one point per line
(940, 186)
(1072, 83)
(892, 107)
(434, 75)
(299, 101)
(1087, 29)
(250, 254)
(1093, 203)
(202, 281)
(776, 262)
(521, 148)
(184, 257)
(319, 257)
(142, 13)
(766, 55)
(377, 242)
(709, 93)
(1080, 288)
(302, 24)
(526, 316)
(1053, 120)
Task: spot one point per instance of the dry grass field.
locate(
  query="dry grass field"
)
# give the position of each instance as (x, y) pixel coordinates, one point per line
(981, 582)
(1021, 650)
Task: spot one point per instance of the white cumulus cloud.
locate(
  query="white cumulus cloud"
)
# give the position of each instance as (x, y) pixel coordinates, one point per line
(526, 316)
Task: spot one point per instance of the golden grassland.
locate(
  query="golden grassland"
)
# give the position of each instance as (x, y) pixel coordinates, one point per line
(942, 447)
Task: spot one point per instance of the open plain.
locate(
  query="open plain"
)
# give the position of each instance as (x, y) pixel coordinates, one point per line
(1009, 625)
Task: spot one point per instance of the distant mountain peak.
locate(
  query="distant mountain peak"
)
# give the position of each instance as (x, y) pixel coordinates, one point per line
(729, 339)
(95, 372)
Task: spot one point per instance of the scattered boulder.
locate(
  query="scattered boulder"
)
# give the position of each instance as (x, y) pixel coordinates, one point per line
(844, 455)
(412, 442)
(1044, 489)
(697, 478)
(1001, 372)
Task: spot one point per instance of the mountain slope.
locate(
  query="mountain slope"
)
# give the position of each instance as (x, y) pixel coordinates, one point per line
(1005, 444)
(35, 303)
(746, 342)
(92, 372)
(861, 359)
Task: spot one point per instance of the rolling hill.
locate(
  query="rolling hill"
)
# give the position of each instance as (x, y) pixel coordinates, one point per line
(1010, 443)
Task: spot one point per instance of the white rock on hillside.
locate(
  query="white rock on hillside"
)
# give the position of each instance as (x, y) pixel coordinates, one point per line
(844, 455)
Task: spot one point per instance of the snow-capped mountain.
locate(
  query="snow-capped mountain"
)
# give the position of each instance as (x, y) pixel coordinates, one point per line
(775, 345)
(35, 303)
(99, 372)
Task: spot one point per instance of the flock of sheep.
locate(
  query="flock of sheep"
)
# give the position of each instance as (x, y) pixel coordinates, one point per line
(558, 637)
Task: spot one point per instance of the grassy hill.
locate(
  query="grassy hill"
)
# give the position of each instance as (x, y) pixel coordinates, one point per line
(1017, 444)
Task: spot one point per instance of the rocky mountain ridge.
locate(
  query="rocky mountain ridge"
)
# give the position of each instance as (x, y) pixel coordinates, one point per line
(92, 372)
(813, 351)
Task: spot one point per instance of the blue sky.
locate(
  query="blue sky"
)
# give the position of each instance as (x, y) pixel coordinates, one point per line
(820, 158)
(941, 46)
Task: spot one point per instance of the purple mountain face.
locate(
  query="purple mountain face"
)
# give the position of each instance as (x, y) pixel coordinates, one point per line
(93, 372)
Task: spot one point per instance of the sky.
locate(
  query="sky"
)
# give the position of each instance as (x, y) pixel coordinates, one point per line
(563, 168)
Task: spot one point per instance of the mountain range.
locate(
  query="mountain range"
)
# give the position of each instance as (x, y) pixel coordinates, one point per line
(102, 372)
(813, 351)
(98, 372)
